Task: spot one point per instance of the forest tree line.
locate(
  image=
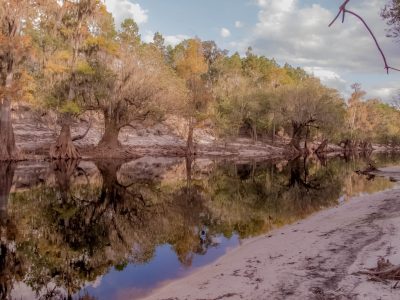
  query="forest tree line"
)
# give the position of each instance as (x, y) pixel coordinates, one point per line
(70, 57)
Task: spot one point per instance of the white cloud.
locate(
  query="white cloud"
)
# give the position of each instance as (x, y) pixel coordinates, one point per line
(300, 35)
(225, 32)
(171, 40)
(174, 40)
(97, 282)
(148, 36)
(329, 78)
(122, 9)
(323, 74)
(297, 33)
(386, 91)
(239, 24)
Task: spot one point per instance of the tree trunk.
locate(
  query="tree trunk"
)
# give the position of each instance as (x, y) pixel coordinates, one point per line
(189, 142)
(64, 148)
(189, 163)
(8, 148)
(6, 179)
(111, 190)
(63, 170)
(347, 145)
(110, 136)
(255, 137)
(356, 146)
(296, 136)
(117, 197)
(307, 151)
(273, 134)
(366, 146)
(322, 147)
(9, 264)
(295, 172)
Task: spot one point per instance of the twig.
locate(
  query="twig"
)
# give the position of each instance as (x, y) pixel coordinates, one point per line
(395, 286)
(342, 11)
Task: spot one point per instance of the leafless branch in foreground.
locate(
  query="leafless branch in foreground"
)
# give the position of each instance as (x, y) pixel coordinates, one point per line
(342, 11)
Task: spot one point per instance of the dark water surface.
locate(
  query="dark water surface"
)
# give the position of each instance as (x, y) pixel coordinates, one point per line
(117, 230)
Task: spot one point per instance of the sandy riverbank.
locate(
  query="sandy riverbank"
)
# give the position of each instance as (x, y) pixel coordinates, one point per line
(316, 258)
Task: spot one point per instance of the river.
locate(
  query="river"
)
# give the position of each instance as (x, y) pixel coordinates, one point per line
(118, 230)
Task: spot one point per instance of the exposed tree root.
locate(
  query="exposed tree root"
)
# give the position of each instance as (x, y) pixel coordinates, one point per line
(384, 271)
(368, 170)
(64, 148)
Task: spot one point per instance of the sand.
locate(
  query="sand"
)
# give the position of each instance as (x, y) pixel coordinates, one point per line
(317, 258)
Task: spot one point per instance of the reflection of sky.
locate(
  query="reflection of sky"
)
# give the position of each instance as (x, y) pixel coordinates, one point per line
(136, 280)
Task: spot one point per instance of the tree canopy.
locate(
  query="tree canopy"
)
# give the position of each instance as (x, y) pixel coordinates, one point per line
(69, 57)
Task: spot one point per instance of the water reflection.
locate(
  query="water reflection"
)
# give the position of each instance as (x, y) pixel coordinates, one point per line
(114, 229)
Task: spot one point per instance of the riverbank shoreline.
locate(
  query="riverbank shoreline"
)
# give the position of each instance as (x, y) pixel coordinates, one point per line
(249, 151)
(34, 135)
(317, 258)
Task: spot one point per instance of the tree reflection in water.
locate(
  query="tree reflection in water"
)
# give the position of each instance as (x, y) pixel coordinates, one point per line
(10, 266)
(85, 218)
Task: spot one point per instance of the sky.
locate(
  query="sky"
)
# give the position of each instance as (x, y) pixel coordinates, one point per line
(292, 31)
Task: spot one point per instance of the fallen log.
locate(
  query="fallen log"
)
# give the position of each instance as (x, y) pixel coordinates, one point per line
(383, 272)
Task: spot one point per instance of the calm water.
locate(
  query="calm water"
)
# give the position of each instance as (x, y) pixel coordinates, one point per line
(117, 230)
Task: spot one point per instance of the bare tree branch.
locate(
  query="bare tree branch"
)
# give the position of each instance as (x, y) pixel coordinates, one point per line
(342, 11)
(82, 136)
(137, 118)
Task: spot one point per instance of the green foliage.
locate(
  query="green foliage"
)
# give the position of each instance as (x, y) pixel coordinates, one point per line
(159, 42)
(84, 68)
(120, 267)
(83, 62)
(371, 120)
(70, 107)
(391, 13)
(129, 32)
